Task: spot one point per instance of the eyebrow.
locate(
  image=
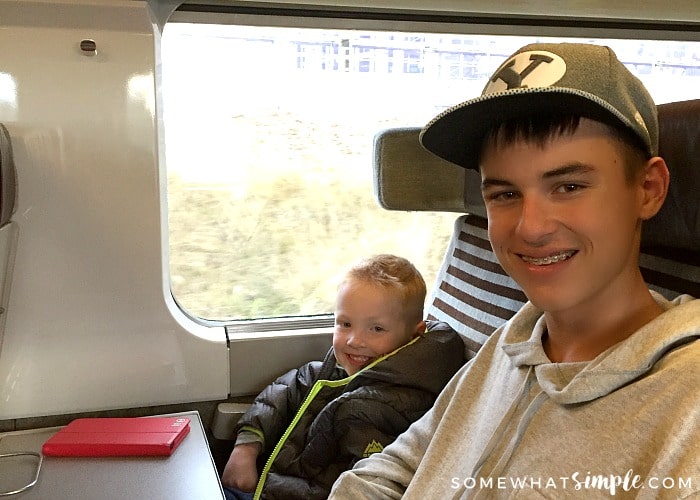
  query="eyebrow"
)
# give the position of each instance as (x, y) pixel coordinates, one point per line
(489, 182)
(570, 169)
(573, 168)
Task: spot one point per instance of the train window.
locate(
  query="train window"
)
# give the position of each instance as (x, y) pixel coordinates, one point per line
(268, 139)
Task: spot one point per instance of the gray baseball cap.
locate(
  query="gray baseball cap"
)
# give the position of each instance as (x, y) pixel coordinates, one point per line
(580, 79)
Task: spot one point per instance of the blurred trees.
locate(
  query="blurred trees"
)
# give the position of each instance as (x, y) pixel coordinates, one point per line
(274, 239)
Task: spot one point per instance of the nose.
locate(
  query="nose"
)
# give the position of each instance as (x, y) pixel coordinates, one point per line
(536, 221)
(355, 339)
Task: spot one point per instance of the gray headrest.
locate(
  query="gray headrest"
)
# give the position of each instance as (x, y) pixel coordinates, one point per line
(407, 177)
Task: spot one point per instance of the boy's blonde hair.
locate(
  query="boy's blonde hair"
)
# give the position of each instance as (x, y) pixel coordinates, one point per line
(395, 273)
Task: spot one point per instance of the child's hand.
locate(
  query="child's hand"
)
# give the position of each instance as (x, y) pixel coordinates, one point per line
(241, 470)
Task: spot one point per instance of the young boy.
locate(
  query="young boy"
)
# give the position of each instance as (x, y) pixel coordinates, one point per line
(591, 389)
(383, 372)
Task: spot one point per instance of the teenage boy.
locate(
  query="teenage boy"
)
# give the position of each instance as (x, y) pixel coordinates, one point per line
(592, 388)
(313, 423)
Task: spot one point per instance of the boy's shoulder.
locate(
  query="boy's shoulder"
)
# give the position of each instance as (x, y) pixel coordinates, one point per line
(440, 347)
(433, 325)
(440, 328)
(442, 333)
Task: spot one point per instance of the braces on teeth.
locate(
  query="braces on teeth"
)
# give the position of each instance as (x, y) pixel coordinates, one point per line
(547, 260)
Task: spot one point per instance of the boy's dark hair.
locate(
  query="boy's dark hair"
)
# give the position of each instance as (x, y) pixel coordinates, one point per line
(540, 128)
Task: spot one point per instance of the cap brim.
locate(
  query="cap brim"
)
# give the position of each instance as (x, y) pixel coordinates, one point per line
(457, 134)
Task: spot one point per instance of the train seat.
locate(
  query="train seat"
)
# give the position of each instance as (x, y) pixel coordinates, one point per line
(472, 292)
(8, 228)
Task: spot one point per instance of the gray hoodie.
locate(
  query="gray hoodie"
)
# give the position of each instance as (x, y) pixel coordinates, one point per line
(512, 424)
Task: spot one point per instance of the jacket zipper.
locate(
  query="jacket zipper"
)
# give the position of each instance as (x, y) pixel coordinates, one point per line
(315, 389)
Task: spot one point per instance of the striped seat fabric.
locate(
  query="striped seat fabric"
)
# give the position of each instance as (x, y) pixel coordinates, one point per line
(473, 293)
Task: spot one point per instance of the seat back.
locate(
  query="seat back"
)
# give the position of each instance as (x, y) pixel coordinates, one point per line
(472, 292)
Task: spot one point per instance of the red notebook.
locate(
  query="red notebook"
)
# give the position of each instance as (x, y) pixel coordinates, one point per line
(118, 437)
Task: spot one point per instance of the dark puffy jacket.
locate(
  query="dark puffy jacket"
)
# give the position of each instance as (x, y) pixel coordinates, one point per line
(317, 422)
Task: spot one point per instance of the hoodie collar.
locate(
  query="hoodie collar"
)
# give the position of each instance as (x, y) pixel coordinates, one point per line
(568, 383)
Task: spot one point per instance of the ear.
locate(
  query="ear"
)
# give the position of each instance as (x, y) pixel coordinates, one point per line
(420, 329)
(654, 187)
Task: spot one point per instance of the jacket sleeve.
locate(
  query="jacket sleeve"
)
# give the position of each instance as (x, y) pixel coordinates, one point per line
(275, 407)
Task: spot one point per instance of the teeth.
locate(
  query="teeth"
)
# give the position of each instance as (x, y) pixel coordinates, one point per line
(358, 359)
(551, 259)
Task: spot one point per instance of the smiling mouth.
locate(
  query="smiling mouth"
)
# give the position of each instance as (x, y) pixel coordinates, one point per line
(360, 360)
(550, 259)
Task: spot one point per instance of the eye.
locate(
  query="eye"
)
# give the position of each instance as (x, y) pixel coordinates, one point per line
(569, 187)
(377, 329)
(500, 196)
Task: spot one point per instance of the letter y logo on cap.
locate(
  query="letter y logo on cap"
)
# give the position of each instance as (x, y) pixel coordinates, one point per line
(530, 69)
